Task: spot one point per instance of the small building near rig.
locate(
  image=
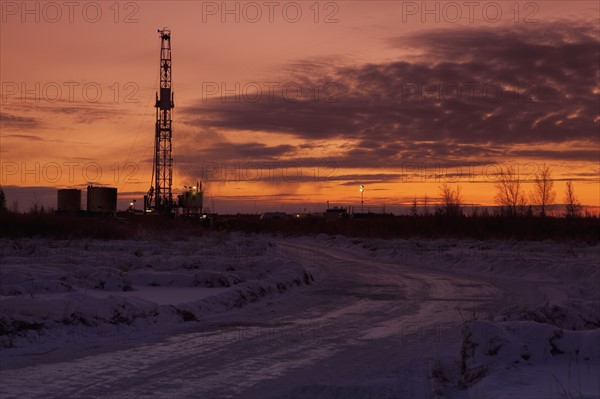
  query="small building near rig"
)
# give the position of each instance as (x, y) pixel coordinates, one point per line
(101, 199)
(335, 213)
(191, 201)
(68, 200)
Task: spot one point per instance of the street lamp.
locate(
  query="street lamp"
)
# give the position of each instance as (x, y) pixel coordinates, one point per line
(362, 202)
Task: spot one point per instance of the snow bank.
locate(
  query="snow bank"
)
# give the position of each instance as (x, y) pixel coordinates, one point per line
(551, 350)
(46, 286)
(529, 359)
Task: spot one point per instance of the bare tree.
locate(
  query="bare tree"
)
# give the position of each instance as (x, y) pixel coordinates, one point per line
(3, 207)
(543, 193)
(35, 206)
(572, 204)
(425, 205)
(451, 200)
(510, 194)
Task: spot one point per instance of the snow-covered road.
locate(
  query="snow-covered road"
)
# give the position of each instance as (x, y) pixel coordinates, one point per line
(369, 328)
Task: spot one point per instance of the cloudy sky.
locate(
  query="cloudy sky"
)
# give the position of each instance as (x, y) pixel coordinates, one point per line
(288, 105)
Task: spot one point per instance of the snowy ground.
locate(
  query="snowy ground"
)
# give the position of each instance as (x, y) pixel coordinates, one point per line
(310, 317)
(53, 288)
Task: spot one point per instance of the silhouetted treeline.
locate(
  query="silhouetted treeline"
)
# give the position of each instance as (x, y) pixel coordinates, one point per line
(382, 226)
(434, 226)
(60, 226)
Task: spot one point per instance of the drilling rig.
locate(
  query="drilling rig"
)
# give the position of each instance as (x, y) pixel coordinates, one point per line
(160, 197)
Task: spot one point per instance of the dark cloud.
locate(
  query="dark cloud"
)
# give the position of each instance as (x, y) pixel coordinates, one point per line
(90, 113)
(591, 155)
(23, 137)
(358, 179)
(470, 94)
(237, 152)
(14, 122)
(32, 137)
(78, 111)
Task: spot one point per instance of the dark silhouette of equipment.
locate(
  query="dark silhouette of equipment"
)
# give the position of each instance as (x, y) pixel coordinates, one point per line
(160, 197)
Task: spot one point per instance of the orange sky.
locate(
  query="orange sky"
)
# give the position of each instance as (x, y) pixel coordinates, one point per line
(78, 88)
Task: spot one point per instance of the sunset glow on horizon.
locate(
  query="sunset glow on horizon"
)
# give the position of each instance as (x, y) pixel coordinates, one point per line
(294, 105)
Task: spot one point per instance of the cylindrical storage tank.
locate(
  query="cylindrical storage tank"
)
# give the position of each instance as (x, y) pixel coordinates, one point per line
(101, 199)
(68, 199)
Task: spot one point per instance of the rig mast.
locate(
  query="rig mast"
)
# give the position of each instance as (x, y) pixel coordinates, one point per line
(160, 197)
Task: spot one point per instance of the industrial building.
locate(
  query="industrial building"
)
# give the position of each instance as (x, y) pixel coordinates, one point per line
(191, 201)
(336, 213)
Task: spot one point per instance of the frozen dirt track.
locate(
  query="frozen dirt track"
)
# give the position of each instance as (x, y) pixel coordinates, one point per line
(367, 329)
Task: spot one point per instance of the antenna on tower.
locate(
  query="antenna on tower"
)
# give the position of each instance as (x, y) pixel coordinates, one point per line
(160, 197)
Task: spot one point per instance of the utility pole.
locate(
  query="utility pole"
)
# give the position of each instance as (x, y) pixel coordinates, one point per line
(362, 202)
(160, 196)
